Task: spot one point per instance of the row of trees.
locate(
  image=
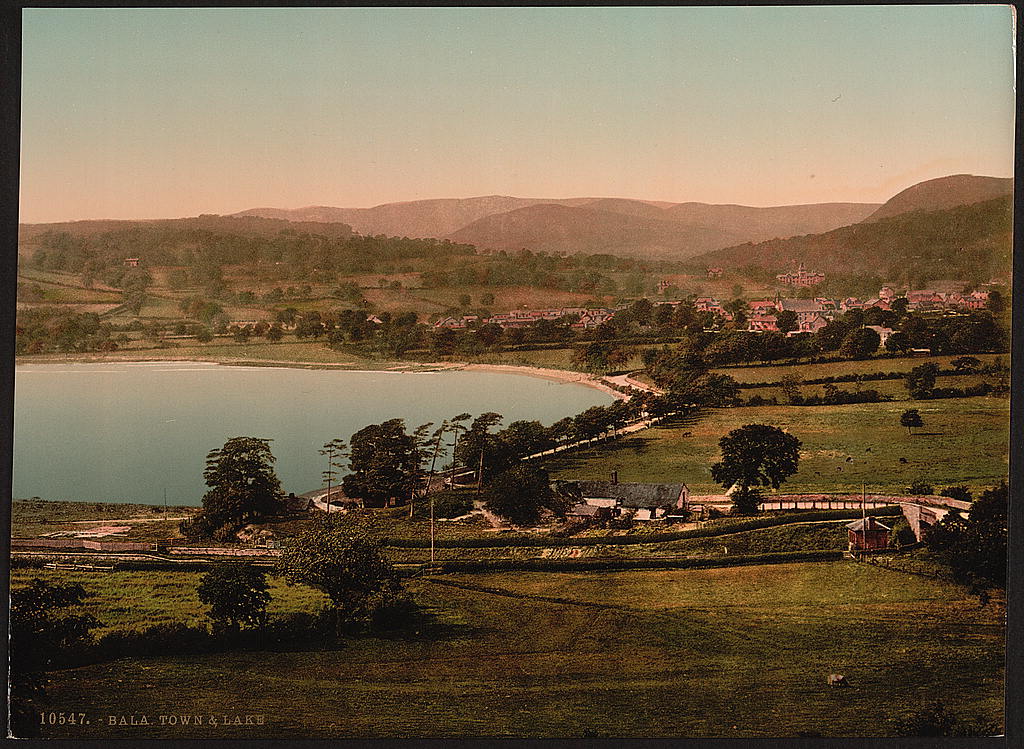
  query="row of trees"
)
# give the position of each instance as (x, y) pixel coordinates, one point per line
(389, 465)
(55, 329)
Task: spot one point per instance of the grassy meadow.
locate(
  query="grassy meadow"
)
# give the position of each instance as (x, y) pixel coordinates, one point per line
(964, 441)
(775, 372)
(732, 652)
(134, 600)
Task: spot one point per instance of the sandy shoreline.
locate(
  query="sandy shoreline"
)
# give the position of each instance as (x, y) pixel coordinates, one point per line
(554, 375)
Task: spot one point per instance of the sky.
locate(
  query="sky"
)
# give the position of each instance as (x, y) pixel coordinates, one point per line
(153, 113)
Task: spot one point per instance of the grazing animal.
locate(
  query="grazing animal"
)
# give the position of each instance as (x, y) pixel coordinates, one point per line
(837, 680)
(903, 460)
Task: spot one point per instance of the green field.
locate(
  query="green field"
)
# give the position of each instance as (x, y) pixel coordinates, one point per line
(964, 441)
(132, 601)
(775, 372)
(895, 389)
(733, 652)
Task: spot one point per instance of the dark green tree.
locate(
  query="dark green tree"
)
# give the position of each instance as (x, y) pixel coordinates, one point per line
(966, 364)
(711, 390)
(522, 494)
(349, 566)
(911, 418)
(756, 455)
(920, 381)
(383, 461)
(786, 321)
(961, 493)
(44, 628)
(243, 488)
(860, 344)
(237, 595)
(479, 445)
(975, 546)
(897, 343)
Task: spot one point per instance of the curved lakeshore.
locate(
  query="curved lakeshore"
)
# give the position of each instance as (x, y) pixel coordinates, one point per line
(144, 425)
(555, 375)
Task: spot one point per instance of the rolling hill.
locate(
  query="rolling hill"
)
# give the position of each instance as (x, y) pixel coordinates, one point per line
(418, 218)
(665, 230)
(944, 192)
(253, 226)
(758, 224)
(966, 242)
(557, 228)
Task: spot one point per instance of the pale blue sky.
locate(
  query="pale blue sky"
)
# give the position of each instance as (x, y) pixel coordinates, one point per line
(134, 113)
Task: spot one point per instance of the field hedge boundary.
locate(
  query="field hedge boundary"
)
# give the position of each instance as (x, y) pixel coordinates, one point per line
(653, 538)
(573, 565)
(874, 377)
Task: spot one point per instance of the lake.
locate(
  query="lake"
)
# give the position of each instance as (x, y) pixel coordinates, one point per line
(126, 432)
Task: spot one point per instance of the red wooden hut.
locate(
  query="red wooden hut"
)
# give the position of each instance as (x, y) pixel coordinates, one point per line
(868, 534)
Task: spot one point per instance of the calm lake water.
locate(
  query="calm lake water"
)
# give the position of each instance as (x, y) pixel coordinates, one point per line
(126, 432)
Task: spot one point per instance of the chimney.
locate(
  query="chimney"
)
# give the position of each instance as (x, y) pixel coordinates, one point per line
(615, 477)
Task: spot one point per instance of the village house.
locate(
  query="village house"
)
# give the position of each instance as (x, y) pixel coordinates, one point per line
(647, 501)
(764, 306)
(457, 323)
(925, 299)
(714, 273)
(593, 317)
(762, 322)
(131, 262)
(710, 304)
(810, 323)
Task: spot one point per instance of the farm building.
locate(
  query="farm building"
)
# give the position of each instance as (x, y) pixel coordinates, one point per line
(648, 501)
(868, 534)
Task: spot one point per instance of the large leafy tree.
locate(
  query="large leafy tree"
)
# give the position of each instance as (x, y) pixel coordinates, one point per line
(712, 390)
(236, 594)
(348, 565)
(860, 344)
(383, 460)
(975, 546)
(479, 445)
(243, 487)
(756, 455)
(911, 418)
(521, 495)
(920, 381)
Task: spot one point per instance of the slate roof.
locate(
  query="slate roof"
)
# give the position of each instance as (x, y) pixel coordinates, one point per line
(646, 496)
(584, 510)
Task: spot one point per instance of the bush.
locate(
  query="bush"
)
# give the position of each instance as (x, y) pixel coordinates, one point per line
(935, 720)
(447, 504)
(961, 493)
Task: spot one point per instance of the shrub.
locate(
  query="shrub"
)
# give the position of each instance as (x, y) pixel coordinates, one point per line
(447, 504)
(935, 720)
(920, 488)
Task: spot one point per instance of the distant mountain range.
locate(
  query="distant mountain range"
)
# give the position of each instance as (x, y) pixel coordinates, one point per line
(836, 237)
(613, 225)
